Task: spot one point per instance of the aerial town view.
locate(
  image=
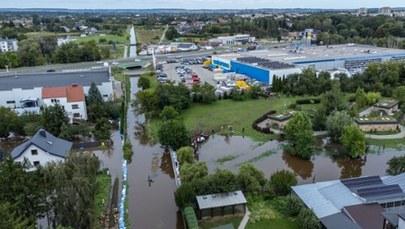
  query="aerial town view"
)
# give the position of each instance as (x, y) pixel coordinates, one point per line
(191, 114)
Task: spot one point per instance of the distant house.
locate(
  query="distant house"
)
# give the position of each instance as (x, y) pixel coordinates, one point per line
(279, 119)
(42, 148)
(8, 45)
(71, 98)
(370, 202)
(184, 46)
(384, 123)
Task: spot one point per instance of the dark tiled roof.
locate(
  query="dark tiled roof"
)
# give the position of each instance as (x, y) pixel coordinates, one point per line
(52, 79)
(47, 142)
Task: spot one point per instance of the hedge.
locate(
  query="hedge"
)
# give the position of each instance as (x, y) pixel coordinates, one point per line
(308, 101)
(265, 130)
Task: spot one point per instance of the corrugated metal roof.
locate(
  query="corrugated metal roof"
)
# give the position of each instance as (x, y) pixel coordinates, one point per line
(398, 179)
(221, 200)
(340, 195)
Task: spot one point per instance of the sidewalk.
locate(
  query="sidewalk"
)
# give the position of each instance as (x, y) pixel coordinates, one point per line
(245, 219)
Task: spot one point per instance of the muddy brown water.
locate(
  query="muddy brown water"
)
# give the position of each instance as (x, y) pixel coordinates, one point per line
(150, 204)
(231, 152)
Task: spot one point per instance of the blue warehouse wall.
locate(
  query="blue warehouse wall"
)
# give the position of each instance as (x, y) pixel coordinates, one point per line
(220, 63)
(253, 72)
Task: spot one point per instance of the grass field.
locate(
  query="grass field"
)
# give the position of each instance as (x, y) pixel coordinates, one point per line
(388, 143)
(208, 224)
(278, 223)
(225, 113)
(148, 36)
(43, 34)
(103, 194)
(119, 39)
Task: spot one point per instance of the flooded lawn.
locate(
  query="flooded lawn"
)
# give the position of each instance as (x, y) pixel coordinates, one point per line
(230, 152)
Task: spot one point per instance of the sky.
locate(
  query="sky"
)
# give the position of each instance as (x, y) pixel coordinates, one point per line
(200, 4)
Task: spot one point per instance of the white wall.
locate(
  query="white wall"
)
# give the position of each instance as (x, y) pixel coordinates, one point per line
(106, 90)
(284, 72)
(43, 157)
(18, 94)
(401, 223)
(68, 107)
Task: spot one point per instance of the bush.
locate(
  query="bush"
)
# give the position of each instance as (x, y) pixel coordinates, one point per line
(144, 82)
(308, 101)
(280, 183)
(289, 205)
(128, 150)
(185, 155)
(307, 219)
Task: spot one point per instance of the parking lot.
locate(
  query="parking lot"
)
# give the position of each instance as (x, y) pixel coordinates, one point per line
(204, 74)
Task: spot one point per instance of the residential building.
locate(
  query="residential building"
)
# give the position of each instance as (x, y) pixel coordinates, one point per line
(362, 11)
(377, 124)
(23, 92)
(71, 98)
(183, 46)
(8, 45)
(387, 106)
(42, 148)
(369, 202)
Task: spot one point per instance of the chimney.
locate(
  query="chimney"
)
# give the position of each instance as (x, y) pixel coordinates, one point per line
(42, 133)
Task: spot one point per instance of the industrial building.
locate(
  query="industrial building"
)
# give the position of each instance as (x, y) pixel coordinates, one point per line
(370, 202)
(233, 40)
(264, 64)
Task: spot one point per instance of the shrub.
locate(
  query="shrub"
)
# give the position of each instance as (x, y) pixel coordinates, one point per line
(128, 151)
(308, 101)
(280, 183)
(307, 220)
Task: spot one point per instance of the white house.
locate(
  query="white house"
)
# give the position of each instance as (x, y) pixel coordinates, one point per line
(71, 98)
(42, 148)
(233, 40)
(18, 91)
(8, 45)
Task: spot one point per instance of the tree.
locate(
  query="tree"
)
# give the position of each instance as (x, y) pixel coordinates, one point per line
(69, 132)
(280, 183)
(94, 96)
(75, 189)
(255, 92)
(29, 53)
(333, 100)
(399, 93)
(185, 155)
(169, 113)
(299, 135)
(144, 82)
(146, 101)
(361, 98)
(307, 219)
(336, 123)
(102, 129)
(10, 59)
(173, 133)
(171, 33)
(8, 121)
(53, 117)
(396, 165)
(250, 178)
(353, 139)
(293, 205)
(223, 180)
(190, 172)
(184, 196)
(10, 219)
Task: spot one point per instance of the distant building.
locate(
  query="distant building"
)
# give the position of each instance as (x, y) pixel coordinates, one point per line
(183, 47)
(41, 149)
(279, 119)
(62, 41)
(71, 98)
(362, 11)
(8, 45)
(388, 106)
(233, 40)
(377, 124)
(387, 11)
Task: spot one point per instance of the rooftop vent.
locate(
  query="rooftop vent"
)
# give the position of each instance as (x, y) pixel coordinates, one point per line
(49, 142)
(42, 133)
(74, 85)
(204, 197)
(235, 193)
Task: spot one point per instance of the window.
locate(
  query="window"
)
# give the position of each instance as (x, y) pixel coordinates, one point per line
(76, 115)
(105, 96)
(55, 100)
(11, 101)
(36, 163)
(75, 106)
(397, 203)
(34, 152)
(390, 205)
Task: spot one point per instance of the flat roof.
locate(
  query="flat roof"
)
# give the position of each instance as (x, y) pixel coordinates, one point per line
(376, 120)
(303, 55)
(281, 116)
(367, 215)
(53, 79)
(220, 200)
(387, 103)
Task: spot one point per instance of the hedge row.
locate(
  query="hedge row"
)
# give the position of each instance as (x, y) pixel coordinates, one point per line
(265, 130)
(308, 101)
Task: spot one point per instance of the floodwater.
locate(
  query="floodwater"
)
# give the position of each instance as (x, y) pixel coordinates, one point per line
(233, 151)
(151, 204)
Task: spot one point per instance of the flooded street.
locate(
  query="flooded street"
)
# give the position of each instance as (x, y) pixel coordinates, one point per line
(230, 152)
(151, 204)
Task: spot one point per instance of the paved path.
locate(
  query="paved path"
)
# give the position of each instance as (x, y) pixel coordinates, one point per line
(164, 34)
(125, 52)
(245, 219)
(390, 136)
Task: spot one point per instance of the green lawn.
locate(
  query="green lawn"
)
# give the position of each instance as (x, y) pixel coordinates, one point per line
(277, 223)
(208, 224)
(225, 113)
(388, 143)
(148, 36)
(103, 194)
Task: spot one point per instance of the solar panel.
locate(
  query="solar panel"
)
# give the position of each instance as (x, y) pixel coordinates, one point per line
(265, 62)
(380, 191)
(361, 181)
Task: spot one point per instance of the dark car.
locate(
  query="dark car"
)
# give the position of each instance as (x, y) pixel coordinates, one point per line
(50, 70)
